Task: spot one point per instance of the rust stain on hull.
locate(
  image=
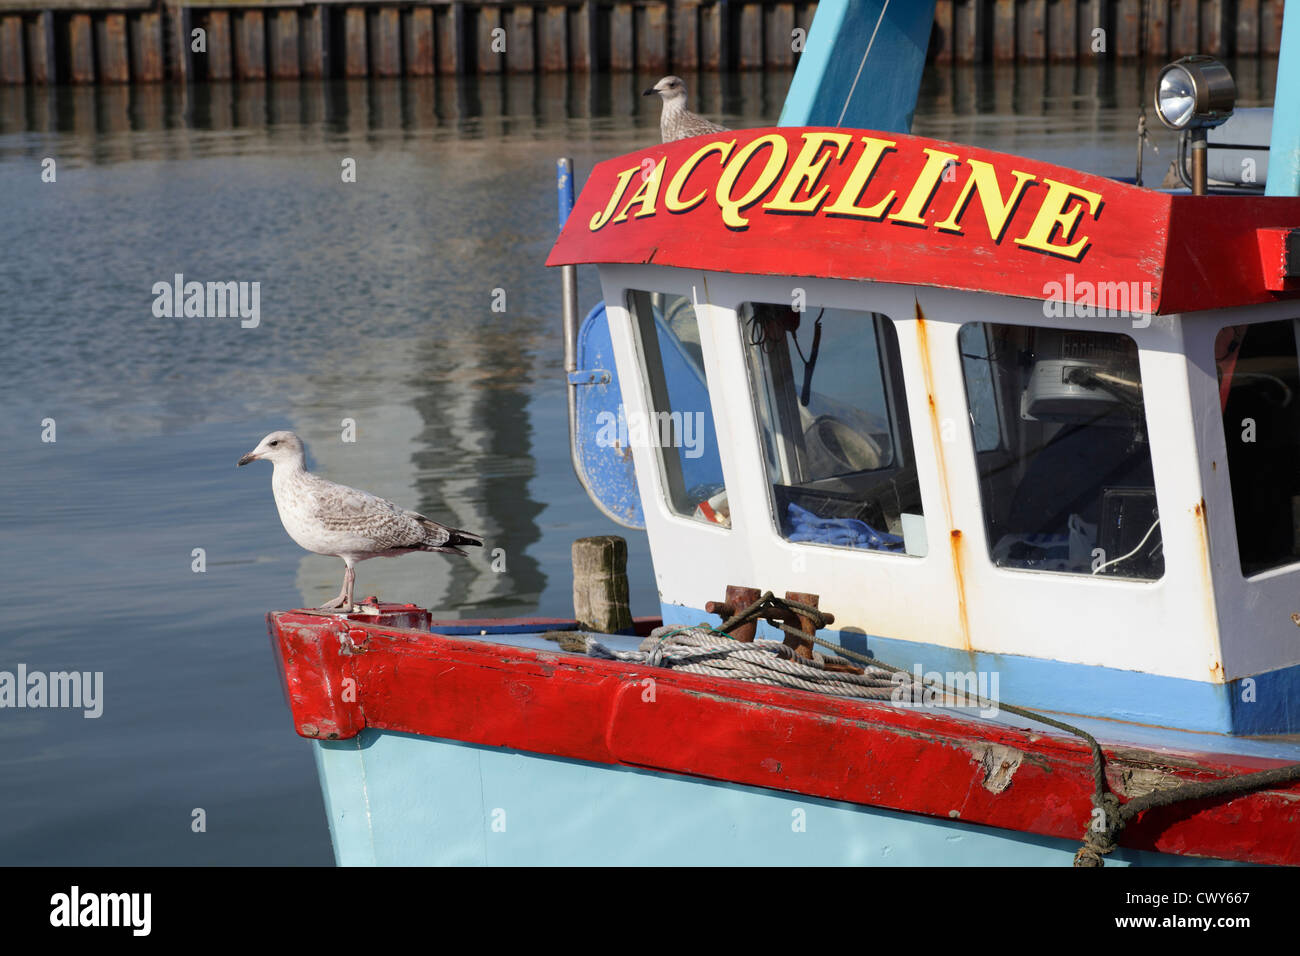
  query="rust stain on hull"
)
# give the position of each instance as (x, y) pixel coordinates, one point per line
(955, 537)
(1217, 674)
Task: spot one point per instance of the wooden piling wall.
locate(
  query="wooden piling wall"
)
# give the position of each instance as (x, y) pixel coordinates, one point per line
(119, 41)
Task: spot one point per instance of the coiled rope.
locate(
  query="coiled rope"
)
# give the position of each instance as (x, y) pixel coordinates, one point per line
(708, 650)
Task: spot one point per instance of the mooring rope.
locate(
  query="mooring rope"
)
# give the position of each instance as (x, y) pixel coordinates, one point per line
(708, 650)
(703, 650)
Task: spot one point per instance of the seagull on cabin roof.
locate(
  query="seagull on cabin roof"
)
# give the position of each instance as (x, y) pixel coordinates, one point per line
(327, 518)
(676, 121)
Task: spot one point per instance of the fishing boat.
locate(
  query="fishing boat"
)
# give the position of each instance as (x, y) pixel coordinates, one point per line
(1021, 441)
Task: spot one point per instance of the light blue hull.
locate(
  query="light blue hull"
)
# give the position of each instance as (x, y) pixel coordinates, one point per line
(397, 799)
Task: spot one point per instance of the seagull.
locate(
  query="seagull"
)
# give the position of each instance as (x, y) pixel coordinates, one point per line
(327, 518)
(676, 121)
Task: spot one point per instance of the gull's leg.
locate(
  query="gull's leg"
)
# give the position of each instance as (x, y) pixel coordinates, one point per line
(344, 600)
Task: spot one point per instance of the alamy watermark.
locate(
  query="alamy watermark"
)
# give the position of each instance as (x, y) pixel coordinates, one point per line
(1084, 299)
(951, 689)
(208, 300)
(683, 430)
(76, 908)
(82, 690)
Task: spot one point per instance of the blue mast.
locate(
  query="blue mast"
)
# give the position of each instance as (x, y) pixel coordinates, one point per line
(1284, 149)
(861, 66)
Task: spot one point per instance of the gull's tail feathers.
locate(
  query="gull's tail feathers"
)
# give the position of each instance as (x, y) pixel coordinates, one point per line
(444, 539)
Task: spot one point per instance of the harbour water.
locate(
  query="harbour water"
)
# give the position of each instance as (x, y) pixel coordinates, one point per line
(408, 309)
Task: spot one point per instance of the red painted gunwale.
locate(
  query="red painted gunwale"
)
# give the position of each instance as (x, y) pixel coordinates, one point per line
(1197, 252)
(930, 762)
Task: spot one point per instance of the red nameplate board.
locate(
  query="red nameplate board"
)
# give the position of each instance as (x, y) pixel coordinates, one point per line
(857, 204)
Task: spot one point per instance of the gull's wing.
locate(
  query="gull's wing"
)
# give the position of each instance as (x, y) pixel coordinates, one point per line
(382, 525)
(693, 124)
(386, 526)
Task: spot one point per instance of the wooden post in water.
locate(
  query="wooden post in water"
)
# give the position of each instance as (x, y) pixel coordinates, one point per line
(780, 35)
(315, 32)
(1004, 29)
(1031, 24)
(40, 48)
(751, 37)
(354, 42)
(1063, 30)
(554, 39)
(250, 45)
(81, 48)
(385, 33)
(583, 40)
(653, 54)
(943, 37)
(600, 594)
(1247, 27)
(520, 55)
(417, 41)
(450, 33)
(147, 47)
(284, 44)
(487, 48)
(1270, 27)
(110, 38)
(178, 23)
(686, 35)
(12, 69)
(622, 57)
(219, 55)
(1184, 27)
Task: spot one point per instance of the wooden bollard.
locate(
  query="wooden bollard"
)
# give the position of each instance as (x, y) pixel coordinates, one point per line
(600, 594)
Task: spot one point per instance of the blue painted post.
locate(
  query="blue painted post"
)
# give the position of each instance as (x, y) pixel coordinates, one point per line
(564, 183)
(861, 65)
(1284, 148)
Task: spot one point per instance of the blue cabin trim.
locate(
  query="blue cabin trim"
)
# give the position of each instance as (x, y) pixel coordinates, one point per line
(1262, 707)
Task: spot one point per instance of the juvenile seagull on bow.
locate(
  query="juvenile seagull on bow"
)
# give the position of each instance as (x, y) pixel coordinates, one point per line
(676, 121)
(327, 518)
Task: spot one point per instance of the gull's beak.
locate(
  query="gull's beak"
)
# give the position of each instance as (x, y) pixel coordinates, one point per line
(246, 459)
(650, 92)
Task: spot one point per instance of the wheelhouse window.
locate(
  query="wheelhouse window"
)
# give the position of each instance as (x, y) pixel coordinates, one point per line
(1059, 424)
(837, 444)
(1259, 396)
(680, 426)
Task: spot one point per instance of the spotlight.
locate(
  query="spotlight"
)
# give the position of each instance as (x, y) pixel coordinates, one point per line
(1192, 95)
